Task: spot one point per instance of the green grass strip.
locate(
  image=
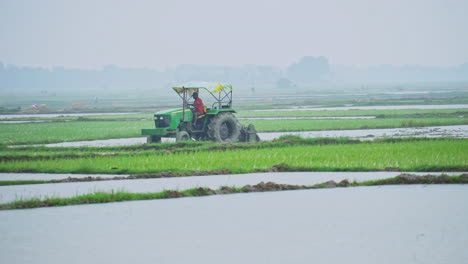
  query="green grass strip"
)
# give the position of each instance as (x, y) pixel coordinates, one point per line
(437, 155)
(22, 182)
(41, 152)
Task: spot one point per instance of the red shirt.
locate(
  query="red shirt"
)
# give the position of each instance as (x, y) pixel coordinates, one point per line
(198, 104)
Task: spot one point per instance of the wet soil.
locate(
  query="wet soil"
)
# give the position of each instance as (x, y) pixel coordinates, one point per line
(157, 175)
(271, 186)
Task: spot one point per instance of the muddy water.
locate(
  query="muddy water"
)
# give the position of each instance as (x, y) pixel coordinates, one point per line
(390, 224)
(380, 107)
(11, 193)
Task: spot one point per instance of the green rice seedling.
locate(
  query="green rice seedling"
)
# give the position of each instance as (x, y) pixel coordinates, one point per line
(437, 155)
(22, 182)
(35, 133)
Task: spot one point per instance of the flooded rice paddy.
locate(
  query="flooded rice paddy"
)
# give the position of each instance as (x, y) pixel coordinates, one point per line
(387, 224)
(306, 117)
(240, 118)
(459, 131)
(49, 176)
(15, 192)
(56, 115)
(302, 108)
(26, 121)
(104, 142)
(374, 107)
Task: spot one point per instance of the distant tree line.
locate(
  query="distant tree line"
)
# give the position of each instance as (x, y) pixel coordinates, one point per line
(308, 70)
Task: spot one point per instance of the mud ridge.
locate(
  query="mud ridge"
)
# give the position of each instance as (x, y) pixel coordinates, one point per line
(45, 157)
(157, 175)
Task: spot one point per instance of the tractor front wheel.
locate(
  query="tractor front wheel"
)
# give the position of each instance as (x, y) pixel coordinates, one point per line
(153, 139)
(182, 136)
(224, 128)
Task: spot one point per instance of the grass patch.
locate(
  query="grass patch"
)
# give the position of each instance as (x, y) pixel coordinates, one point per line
(39, 133)
(370, 112)
(41, 152)
(22, 182)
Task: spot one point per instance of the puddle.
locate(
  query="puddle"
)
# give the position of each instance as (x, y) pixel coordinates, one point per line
(377, 107)
(390, 224)
(11, 193)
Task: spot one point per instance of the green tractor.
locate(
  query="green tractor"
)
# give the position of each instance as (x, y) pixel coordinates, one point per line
(218, 123)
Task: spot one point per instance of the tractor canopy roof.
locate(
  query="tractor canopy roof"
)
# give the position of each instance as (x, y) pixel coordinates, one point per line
(192, 87)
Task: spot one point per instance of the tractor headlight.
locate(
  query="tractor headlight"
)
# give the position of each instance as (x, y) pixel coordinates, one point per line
(162, 121)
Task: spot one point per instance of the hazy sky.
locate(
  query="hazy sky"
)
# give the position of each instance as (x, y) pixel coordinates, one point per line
(93, 33)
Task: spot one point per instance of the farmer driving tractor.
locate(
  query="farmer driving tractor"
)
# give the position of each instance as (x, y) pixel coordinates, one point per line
(195, 121)
(199, 108)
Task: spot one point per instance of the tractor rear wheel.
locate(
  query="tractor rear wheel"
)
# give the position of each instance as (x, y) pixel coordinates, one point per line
(182, 136)
(224, 128)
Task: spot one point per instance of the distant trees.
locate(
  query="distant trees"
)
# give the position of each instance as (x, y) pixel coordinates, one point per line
(309, 70)
(284, 83)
